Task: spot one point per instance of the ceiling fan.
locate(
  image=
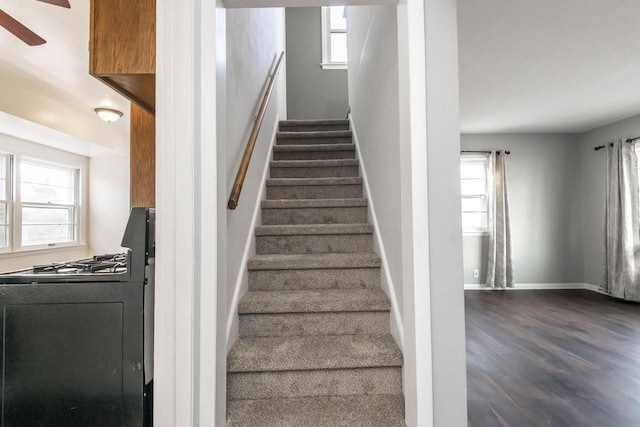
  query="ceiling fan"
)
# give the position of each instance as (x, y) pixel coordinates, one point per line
(23, 33)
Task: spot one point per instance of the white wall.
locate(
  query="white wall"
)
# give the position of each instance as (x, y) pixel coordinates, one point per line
(544, 181)
(373, 63)
(443, 205)
(592, 200)
(108, 202)
(223, 288)
(255, 38)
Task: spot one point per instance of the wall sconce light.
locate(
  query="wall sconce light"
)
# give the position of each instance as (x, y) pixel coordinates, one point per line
(108, 115)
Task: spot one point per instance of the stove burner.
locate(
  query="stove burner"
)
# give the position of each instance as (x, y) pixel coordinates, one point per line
(108, 263)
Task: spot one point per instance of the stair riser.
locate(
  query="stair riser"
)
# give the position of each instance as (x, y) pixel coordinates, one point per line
(326, 382)
(314, 244)
(299, 324)
(313, 128)
(349, 191)
(329, 278)
(314, 155)
(339, 411)
(291, 216)
(315, 172)
(315, 141)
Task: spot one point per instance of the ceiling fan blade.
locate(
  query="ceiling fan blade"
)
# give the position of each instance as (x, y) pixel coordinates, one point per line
(61, 3)
(19, 30)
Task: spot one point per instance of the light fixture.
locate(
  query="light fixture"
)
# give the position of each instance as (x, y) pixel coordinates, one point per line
(108, 115)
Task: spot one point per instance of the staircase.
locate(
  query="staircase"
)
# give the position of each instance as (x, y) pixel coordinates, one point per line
(314, 347)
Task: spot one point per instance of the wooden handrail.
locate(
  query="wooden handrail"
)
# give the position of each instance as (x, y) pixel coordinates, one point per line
(246, 157)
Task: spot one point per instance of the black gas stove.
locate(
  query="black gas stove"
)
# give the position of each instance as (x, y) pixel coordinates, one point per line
(129, 266)
(77, 347)
(101, 264)
(101, 268)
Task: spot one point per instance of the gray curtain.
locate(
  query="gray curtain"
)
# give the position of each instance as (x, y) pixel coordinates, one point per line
(500, 268)
(622, 223)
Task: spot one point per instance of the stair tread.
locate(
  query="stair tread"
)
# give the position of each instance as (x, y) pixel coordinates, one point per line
(314, 147)
(313, 163)
(386, 410)
(314, 261)
(313, 352)
(314, 134)
(313, 229)
(305, 122)
(314, 301)
(313, 203)
(285, 182)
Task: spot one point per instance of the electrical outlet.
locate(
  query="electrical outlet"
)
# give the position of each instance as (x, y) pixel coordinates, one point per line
(476, 273)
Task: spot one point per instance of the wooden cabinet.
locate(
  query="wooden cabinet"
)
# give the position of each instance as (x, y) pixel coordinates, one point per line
(142, 186)
(122, 48)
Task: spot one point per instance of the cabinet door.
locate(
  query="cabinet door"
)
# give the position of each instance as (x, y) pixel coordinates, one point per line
(122, 48)
(71, 355)
(123, 37)
(63, 365)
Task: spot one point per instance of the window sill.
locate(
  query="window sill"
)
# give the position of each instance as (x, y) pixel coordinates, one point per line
(333, 66)
(43, 251)
(475, 233)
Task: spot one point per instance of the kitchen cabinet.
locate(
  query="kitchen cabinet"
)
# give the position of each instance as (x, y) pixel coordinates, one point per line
(122, 48)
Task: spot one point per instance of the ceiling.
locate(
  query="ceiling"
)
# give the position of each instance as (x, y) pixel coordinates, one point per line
(547, 65)
(58, 70)
(525, 66)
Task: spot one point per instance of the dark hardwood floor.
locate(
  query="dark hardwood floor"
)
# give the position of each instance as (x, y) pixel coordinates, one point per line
(567, 358)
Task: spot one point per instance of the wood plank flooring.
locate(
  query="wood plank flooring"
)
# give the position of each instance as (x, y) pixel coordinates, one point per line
(561, 358)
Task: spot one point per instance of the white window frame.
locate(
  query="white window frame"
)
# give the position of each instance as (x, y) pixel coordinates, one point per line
(327, 64)
(487, 194)
(9, 201)
(48, 156)
(20, 204)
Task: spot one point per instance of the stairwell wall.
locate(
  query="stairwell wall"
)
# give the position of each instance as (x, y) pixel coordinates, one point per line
(312, 92)
(373, 94)
(255, 38)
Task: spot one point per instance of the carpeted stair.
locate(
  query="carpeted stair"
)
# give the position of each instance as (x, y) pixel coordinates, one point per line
(314, 347)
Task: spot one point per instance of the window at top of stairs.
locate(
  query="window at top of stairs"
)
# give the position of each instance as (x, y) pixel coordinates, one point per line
(334, 37)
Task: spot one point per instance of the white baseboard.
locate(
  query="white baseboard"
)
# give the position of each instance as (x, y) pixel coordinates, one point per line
(249, 250)
(533, 286)
(397, 326)
(594, 288)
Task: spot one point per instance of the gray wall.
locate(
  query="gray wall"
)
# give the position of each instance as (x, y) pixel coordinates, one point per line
(592, 206)
(312, 93)
(544, 181)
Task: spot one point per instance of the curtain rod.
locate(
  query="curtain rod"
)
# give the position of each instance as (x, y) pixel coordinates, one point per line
(484, 151)
(628, 141)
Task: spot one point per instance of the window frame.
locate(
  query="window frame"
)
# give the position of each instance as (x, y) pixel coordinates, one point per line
(326, 31)
(20, 204)
(46, 156)
(487, 194)
(8, 200)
